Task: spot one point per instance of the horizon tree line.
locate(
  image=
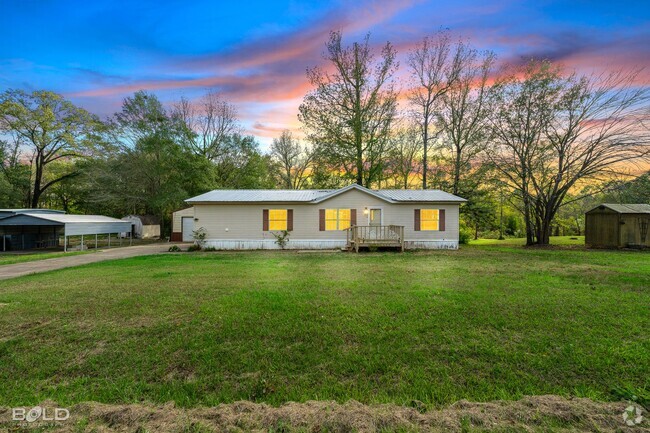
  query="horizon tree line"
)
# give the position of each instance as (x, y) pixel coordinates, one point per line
(530, 130)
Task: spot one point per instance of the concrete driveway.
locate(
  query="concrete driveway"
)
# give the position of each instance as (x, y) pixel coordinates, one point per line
(27, 268)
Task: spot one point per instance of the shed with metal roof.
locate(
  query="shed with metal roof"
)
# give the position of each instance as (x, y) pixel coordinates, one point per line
(616, 225)
(28, 230)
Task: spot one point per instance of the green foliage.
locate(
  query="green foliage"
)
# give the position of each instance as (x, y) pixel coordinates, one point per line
(50, 130)
(464, 235)
(194, 247)
(199, 236)
(174, 249)
(634, 191)
(281, 238)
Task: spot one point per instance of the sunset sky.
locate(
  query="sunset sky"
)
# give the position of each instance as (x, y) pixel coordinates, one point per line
(96, 52)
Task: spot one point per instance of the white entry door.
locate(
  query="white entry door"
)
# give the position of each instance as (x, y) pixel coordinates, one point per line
(188, 228)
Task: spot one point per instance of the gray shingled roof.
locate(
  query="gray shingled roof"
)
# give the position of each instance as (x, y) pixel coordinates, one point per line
(626, 208)
(317, 195)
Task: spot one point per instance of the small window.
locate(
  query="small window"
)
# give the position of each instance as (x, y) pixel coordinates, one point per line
(337, 219)
(430, 219)
(277, 219)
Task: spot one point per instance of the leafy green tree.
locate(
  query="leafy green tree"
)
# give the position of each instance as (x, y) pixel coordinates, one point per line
(49, 129)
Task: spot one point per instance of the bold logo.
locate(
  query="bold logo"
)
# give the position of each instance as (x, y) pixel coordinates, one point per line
(39, 413)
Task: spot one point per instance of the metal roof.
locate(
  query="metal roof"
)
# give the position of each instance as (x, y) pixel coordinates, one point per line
(66, 219)
(625, 208)
(418, 195)
(318, 195)
(258, 195)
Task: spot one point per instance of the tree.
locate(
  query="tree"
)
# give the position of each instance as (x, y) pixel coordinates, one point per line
(15, 182)
(349, 114)
(552, 133)
(464, 109)
(151, 171)
(404, 156)
(209, 122)
(241, 165)
(293, 159)
(49, 129)
(434, 66)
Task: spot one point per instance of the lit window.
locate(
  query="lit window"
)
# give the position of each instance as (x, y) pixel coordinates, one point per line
(429, 219)
(277, 219)
(337, 219)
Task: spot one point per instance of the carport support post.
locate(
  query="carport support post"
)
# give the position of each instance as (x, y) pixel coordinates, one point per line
(95, 240)
(82, 243)
(65, 241)
(109, 240)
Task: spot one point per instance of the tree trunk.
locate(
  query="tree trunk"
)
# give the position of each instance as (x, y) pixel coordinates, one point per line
(456, 171)
(425, 141)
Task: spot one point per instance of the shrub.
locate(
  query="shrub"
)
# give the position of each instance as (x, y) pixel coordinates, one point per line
(174, 249)
(281, 238)
(464, 235)
(199, 236)
(195, 247)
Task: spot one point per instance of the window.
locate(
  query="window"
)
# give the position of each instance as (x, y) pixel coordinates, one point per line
(429, 219)
(277, 219)
(337, 219)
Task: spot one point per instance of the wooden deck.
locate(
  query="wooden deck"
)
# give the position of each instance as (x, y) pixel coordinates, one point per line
(375, 236)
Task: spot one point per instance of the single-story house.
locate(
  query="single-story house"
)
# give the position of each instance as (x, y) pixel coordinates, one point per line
(144, 226)
(183, 225)
(350, 217)
(618, 226)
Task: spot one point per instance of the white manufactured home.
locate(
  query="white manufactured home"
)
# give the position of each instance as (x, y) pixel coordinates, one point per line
(352, 217)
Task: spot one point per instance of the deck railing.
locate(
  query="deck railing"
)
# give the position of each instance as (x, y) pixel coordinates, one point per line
(377, 236)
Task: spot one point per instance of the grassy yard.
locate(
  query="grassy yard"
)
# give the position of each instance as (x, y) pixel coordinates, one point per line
(10, 259)
(482, 323)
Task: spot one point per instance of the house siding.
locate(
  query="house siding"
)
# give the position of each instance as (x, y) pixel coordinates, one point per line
(239, 226)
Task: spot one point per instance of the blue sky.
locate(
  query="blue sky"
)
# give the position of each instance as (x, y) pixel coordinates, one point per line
(255, 53)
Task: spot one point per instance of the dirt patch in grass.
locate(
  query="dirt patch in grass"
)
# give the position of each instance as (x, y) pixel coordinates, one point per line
(539, 413)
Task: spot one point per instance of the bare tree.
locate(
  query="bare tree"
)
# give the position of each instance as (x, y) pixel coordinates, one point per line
(551, 133)
(349, 113)
(434, 66)
(404, 160)
(294, 160)
(464, 110)
(209, 121)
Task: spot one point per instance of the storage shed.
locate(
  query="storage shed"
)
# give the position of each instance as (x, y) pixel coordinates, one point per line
(183, 225)
(30, 230)
(144, 226)
(618, 226)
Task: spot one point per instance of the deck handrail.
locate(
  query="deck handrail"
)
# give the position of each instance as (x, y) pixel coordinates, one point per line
(375, 235)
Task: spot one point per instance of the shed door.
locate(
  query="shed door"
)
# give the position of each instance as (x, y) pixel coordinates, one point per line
(188, 228)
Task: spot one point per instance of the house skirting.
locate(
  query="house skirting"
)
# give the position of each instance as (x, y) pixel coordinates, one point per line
(316, 244)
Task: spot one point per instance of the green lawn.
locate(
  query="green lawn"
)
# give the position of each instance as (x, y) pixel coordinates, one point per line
(10, 259)
(482, 323)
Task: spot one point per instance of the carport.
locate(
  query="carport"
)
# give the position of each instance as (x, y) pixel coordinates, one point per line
(39, 230)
